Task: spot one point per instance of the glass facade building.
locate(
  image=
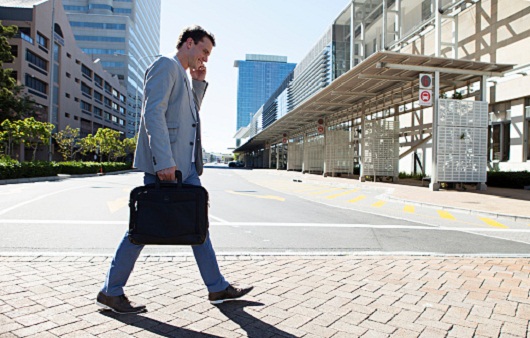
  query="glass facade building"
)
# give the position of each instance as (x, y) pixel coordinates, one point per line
(125, 36)
(259, 77)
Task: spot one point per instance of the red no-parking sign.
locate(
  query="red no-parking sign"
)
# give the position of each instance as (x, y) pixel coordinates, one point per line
(425, 97)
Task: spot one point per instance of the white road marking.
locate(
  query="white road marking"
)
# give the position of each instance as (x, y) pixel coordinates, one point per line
(39, 198)
(220, 221)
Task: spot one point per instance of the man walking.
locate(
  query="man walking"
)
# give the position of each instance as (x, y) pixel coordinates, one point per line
(169, 139)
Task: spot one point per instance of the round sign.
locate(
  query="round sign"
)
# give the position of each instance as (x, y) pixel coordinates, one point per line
(320, 129)
(425, 96)
(284, 140)
(426, 81)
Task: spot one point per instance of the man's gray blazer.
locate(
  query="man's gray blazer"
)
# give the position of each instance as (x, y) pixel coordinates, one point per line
(169, 120)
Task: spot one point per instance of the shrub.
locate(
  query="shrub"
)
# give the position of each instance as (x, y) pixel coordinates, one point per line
(79, 168)
(508, 179)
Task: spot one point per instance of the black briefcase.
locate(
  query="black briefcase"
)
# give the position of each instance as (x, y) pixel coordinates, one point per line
(168, 213)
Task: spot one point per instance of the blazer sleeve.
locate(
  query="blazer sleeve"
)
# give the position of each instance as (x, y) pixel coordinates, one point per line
(160, 79)
(199, 89)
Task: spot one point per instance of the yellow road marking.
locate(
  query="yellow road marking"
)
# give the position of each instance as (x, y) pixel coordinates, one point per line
(378, 204)
(492, 223)
(445, 214)
(269, 197)
(357, 199)
(409, 208)
(323, 191)
(342, 194)
(117, 204)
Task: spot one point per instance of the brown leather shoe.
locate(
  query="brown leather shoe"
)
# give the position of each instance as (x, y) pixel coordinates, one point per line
(119, 304)
(230, 293)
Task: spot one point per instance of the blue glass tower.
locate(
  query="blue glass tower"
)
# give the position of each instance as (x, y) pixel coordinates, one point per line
(259, 77)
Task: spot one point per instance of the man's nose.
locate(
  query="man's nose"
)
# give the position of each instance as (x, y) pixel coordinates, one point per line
(205, 59)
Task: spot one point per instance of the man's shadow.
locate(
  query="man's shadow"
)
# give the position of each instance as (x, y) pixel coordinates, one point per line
(234, 310)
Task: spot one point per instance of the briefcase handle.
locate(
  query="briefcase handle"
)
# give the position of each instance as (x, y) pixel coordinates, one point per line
(178, 176)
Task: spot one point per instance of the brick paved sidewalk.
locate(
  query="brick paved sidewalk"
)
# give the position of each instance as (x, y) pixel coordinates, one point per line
(295, 296)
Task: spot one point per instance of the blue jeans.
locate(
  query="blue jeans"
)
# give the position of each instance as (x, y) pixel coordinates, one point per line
(127, 254)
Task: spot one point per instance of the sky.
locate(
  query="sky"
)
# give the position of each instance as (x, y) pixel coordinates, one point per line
(273, 27)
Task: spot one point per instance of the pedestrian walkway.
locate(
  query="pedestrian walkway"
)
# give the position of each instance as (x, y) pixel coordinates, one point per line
(495, 202)
(294, 296)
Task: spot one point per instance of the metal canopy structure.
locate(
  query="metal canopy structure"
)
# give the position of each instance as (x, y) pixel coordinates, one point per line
(384, 80)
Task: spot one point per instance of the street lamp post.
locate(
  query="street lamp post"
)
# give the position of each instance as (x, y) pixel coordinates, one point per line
(137, 66)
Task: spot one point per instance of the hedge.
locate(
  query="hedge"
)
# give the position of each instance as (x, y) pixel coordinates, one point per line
(508, 179)
(10, 169)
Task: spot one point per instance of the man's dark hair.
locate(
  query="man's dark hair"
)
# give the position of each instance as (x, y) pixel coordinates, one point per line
(197, 33)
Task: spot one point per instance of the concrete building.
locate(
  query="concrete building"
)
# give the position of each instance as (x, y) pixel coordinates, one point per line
(84, 95)
(125, 36)
(475, 49)
(259, 76)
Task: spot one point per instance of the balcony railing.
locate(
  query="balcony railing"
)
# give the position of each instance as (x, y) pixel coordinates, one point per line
(23, 36)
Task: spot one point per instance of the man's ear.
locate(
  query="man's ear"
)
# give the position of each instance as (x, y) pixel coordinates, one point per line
(190, 42)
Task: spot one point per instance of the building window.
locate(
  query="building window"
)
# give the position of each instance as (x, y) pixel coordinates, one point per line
(14, 50)
(426, 9)
(114, 118)
(122, 110)
(121, 122)
(108, 102)
(86, 89)
(115, 93)
(69, 55)
(86, 71)
(123, 98)
(98, 80)
(99, 38)
(86, 106)
(42, 40)
(67, 95)
(98, 111)
(114, 105)
(527, 122)
(36, 60)
(102, 51)
(108, 87)
(98, 96)
(98, 25)
(68, 75)
(107, 116)
(67, 115)
(500, 119)
(36, 84)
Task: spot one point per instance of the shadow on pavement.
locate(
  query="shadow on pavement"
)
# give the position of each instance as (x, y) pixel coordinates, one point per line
(154, 326)
(233, 310)
(253, 326)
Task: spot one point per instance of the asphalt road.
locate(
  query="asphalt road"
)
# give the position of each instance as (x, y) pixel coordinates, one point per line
(89, 216)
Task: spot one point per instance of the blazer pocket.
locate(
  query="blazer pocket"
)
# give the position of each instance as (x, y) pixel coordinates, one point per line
(173, 130)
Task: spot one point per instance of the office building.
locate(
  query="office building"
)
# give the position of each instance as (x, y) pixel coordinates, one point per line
(50, 65)
(475, 48)
(259, 76)
(125, 36)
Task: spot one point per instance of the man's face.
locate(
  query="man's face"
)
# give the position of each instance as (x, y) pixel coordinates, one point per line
(199, 53)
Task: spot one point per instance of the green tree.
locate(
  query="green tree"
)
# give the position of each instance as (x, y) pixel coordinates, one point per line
(35, 133)
(68, 142)
(106, 142)
(129, 145)
(11, 135)
(13, 103)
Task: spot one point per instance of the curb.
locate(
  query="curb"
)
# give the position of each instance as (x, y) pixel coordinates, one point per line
(61, 177)
(467, 211)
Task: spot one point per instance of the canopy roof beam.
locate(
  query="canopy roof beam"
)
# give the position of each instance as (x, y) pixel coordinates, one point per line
(437, 69)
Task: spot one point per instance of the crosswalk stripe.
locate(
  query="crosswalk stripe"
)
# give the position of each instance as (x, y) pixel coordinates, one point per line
(357, 199)
(378, 204)
(492, 223)
(408, 208)
(342, 194)
(445, 214)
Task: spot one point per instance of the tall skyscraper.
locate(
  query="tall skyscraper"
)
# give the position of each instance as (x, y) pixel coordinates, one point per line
(259, 76)
(125, 36)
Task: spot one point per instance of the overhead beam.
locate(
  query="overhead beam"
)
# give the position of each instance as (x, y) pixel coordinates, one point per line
(385, 77)
(437, 69)
(331, 104)
(361, 94)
